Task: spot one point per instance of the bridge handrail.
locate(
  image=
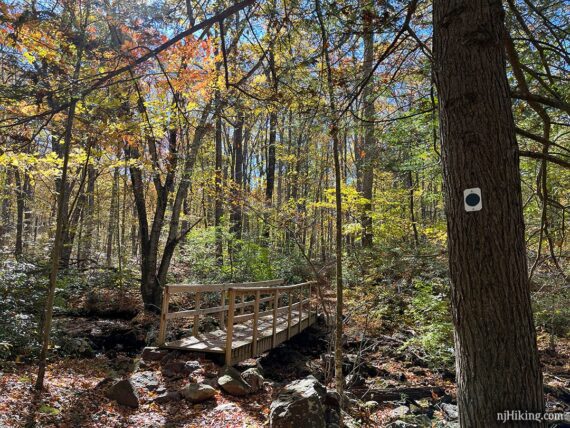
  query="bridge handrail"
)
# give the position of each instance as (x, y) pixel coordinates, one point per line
(274, 290)
(195, 288)
(276, 309)
(266, 290)
(198, 289)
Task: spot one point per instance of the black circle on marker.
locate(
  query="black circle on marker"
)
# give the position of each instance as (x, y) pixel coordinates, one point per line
(472, 199)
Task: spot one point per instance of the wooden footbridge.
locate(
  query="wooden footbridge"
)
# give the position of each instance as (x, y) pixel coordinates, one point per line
(253, 317)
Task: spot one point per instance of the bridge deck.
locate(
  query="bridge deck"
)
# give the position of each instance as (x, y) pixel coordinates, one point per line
(214, 342)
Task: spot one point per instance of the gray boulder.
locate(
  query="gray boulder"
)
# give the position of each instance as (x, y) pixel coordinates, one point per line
(146, 379)
(151, 353)
(300, 404)
(232, 383)
(254, 379)
(197, 392)
(124, 393)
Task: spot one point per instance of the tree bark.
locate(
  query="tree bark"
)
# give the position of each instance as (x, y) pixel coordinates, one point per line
(61, 219)
(236, 214)
(89, 217)
(367, 153)
(5, 216)
(218, 207)
(20, 207)
(113, 218)
(497, 360)
(334, 133)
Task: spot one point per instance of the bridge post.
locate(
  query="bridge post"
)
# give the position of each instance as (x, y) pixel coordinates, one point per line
(230, 329)
(289, 316)
(163, 314)
(196, 323)
(301, 298)
(255, 321)
(275, 307)
(310, 296)
(223, 312)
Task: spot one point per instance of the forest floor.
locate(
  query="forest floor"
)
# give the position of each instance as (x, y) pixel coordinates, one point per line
(74, 393)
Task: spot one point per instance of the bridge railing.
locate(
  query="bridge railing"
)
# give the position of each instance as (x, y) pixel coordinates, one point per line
(275, 295)
(199, 290)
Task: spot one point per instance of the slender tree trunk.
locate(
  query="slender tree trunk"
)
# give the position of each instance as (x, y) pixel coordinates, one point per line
(134, 233)
(367, 154)
(497, 360)
(113, 218)
(61, 220)
(5, 216)
(339, 379)
(20, 207)
(413, 209)
(236, 214)
(89, 217)
(218, 207)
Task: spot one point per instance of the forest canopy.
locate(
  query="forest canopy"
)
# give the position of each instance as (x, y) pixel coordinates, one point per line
(153, 142)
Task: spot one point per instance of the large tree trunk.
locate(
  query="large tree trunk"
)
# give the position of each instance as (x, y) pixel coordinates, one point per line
(270, 167)
(497, 361)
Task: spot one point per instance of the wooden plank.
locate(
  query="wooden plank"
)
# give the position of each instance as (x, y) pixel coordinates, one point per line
(255, 322)
(163, 317)
(230, 329)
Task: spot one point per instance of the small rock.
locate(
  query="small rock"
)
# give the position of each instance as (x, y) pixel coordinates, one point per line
(124, 393)
(450, 411)
(371, 404)
(192, 366)
(168, 397)
(354, 379)
(146, 379)
(253, 378)
(225, 407)
(411, 421)
(232, 382)
(197, 392)
(400, 411)
(151, 353)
